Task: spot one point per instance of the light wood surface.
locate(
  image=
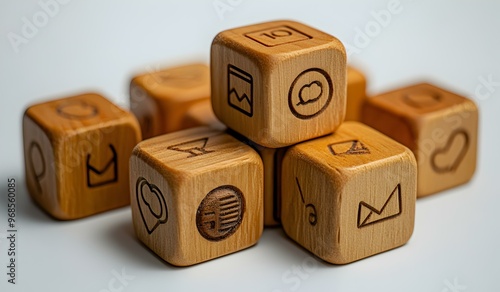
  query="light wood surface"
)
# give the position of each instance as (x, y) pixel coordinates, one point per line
(349, 195)
(439, 126)
(76, 154)
(179, 184)
(356, 94)
(160, 99)
(202, 114)
(278, 83)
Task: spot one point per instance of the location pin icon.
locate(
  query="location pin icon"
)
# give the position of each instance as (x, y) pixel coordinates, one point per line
(151, 203)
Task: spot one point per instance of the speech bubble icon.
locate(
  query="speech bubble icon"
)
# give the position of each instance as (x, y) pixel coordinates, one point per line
(151, 203)
(310, 93)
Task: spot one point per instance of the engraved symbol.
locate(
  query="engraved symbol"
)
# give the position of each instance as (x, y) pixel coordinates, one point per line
(349, 147)
(310, 93)
(448, 158)
(278, 35)
(313, 218)
(422, 99)
(240, 90)
(36, 163)
(392, 207)
(77, 110)
(106, 175)
(220, 213)
(193, 147)
(150, 199)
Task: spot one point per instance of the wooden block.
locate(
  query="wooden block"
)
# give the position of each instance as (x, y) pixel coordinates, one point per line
(271, 159)
(76, 152)
(439, 126)
(356, 94)
(278, 83)
(201, 114)
(196, 195)
(349, 195)
(160, 99)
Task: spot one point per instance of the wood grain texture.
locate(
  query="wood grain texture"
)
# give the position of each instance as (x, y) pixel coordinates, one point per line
(184, 172)
(278, 83)
(202, 114)
(271, 159)
(439, 126)
(76, 152)
(356, 94)
(160, 99)
(329, 185)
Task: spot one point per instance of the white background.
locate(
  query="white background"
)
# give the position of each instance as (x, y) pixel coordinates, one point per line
(99, 45)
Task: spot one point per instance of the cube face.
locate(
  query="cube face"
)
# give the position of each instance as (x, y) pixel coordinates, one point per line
(356, 94)
(210, 187)
(440, 128)
(76, 155)
(160, 99)
(349, 195)
(276, 75)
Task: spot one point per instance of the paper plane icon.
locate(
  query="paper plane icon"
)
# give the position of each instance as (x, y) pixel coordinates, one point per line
(349, 147)
(193, 147)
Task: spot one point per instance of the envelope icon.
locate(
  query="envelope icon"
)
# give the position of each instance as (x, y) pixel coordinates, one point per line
(240, 90)
(368, 214)
(105, 175)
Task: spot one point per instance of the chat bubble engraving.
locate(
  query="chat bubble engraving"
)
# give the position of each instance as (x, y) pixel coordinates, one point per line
(151, 203)
(310, 93)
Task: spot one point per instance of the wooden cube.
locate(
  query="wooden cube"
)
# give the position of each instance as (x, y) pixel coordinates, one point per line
(356, 94)
(439, 126)
(201, 114)
(278, 83)
(76, 152)
(160, 99)
(196, 195)
(349, 195)
(271, 159)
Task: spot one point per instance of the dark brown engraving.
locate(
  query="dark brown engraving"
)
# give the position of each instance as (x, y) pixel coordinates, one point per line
(278, 35)
(307, 99)
(349, 147)
(368, 214)
(453, 163)
(194, 147)
(220, 213)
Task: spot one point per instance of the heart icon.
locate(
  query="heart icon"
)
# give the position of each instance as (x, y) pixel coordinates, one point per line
(448, 158)
(310, 93)
(151, 203)
(422, 99)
